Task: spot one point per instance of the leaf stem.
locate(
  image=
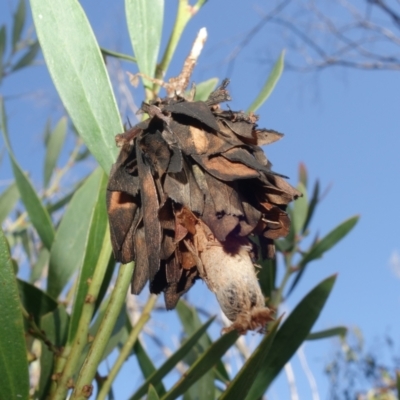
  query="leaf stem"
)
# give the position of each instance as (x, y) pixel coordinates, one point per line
(67, 364)
(83, 385)
(114, 54)
(127, 348)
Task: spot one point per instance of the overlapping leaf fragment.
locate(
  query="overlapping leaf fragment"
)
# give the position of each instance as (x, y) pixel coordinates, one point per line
(190, 177)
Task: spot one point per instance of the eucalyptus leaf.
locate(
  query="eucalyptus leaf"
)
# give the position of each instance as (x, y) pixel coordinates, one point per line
(78, 71)
(269, 84)
(37, 212)
(290, 336)
(3, 42)
(54, 146)
(312, 205)
(70, 243)
(39, 265)
(18, 24)
(8, 200)
(145, 20)
(13, 360)
(327, 333)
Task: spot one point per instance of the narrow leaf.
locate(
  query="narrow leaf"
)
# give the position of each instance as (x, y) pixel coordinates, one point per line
(77, 68)
(203, 364)
(291, 335)
(54, 145)
(398, 384)
(3, 42)
(337, 331)
(145, 20)
(97, 229)
(204, 89)
(300, 209)
(18, 24)
(13, 360)
(312, 205)
(243, 381)
(37, 212)
(71, 240)
(39, 265)
(152, 393)
(28, 57)
(329, 240)
(269, 84)
(156, 377)
(8, 200)
(55, 327)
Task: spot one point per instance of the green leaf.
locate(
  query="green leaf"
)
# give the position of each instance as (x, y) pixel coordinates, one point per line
(204, 89)
(3, 42)
(18, 24)
(203, 364)
(37, 212)
(146, 365)
(8, 200)
(303, 175)
(97, 229)
(267, 276)
(28, 57)
(55, 327)
(156, 377)
(152, 394)
(13, 359)
(145, 20)
(35, 301)
(269, 84)
(329, 240)
(54, 146)
(240, 386)
(337, 331)
(291, 335)
(398, 384)
(77, 68)
(70, 243)
(300, 210)
(313, 204)
(39, 265)
(191, 321)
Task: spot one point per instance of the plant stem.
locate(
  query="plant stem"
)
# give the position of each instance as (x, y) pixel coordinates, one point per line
(184, 14)
(88, 371)
(126, 349)
(117, 55)
(68, 362)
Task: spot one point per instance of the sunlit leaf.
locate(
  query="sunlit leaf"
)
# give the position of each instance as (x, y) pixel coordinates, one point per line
(145, 20)
(269, 84)
(55, 326)
(203, 364)
(54, 146)
(290, 336)
(241, 384)
(39, 265)
(300, 209)
(156, 377)
(204, 89)
(329, 240)
(71, 240)
(327, 333)
(13, 360)
(18, 24)
(98, 227)
(37, 212)
(77, 68)
(8, 200)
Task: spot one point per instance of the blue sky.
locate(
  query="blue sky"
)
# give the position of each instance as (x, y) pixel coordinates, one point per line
(343, 124)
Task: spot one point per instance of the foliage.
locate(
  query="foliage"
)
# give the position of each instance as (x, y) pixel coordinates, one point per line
(75, 322)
